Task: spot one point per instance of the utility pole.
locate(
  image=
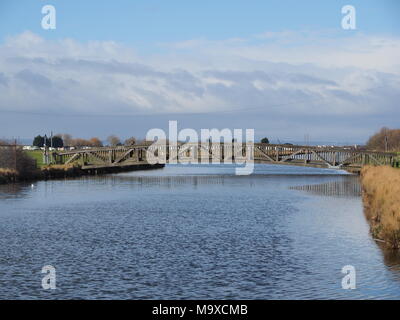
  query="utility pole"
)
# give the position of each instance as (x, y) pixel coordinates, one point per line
(45, 149)
(51, 145)
(15, 155)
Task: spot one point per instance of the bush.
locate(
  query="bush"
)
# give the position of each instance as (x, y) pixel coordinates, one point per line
(13, 158)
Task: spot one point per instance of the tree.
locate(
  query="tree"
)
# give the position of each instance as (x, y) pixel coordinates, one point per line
(264, 140)
(67, 139)
(130, 141)
(385, 140)
(57, 142)
(79, 143)
(38, 141)
(14, 158)
(95, 142)
(113, 141)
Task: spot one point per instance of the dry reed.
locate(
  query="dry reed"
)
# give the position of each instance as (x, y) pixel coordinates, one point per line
(381, 197)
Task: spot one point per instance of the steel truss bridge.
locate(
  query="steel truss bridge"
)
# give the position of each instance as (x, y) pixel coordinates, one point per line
(311, 156)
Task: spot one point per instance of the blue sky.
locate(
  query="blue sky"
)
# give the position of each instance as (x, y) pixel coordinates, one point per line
(285, 68)
(150, 22)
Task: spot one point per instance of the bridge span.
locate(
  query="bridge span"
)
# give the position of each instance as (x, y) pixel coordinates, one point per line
(349, 159)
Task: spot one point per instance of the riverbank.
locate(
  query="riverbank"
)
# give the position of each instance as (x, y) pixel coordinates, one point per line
(381, 198)
(7, 176)
(12, 176)
(66, 171)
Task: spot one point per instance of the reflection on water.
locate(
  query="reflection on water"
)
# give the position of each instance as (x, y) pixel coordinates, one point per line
(15, 190)
(348, 187)
(392, 259)
(192, 233)
(194, 180)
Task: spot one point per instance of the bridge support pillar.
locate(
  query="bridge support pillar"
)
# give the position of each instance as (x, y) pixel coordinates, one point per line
(334, 159)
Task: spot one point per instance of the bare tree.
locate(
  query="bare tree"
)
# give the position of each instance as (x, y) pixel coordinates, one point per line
(67, 138)
(95, 142)
(385, 140)
(130, 141)
(78, 142)
(113, 140)
(12, 157)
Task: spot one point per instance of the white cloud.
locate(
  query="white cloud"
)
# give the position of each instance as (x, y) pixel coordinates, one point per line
(281, 73)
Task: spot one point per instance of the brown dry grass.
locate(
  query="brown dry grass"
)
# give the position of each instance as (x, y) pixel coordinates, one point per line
(64, 167)
(61, 171)
(6, 171)
(7, 175)
(381, 196)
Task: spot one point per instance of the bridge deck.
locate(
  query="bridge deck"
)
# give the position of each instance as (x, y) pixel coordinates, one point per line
(311, 156)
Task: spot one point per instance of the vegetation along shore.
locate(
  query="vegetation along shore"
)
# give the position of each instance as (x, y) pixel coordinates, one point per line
(381, 197)
(17, 165)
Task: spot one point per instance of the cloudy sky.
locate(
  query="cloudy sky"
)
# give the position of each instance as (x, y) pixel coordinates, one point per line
(285, 68)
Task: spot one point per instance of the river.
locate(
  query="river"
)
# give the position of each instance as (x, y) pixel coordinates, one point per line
(186, 232)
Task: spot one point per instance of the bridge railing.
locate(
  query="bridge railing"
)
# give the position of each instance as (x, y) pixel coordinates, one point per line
(330, 156)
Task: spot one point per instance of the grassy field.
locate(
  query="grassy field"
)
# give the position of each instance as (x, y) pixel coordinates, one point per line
(38, 156)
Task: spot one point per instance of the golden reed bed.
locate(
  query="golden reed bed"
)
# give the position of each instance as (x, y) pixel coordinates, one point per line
(7, 175)
(381, 197)
(47, 172)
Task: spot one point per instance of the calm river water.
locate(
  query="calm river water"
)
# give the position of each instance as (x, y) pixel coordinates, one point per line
(193, 232)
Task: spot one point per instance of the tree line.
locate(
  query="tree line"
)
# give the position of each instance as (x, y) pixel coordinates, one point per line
(385, 140)
(66, 140)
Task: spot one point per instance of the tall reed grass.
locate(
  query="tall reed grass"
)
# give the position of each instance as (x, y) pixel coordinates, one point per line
(381, 197)
(7, 175)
